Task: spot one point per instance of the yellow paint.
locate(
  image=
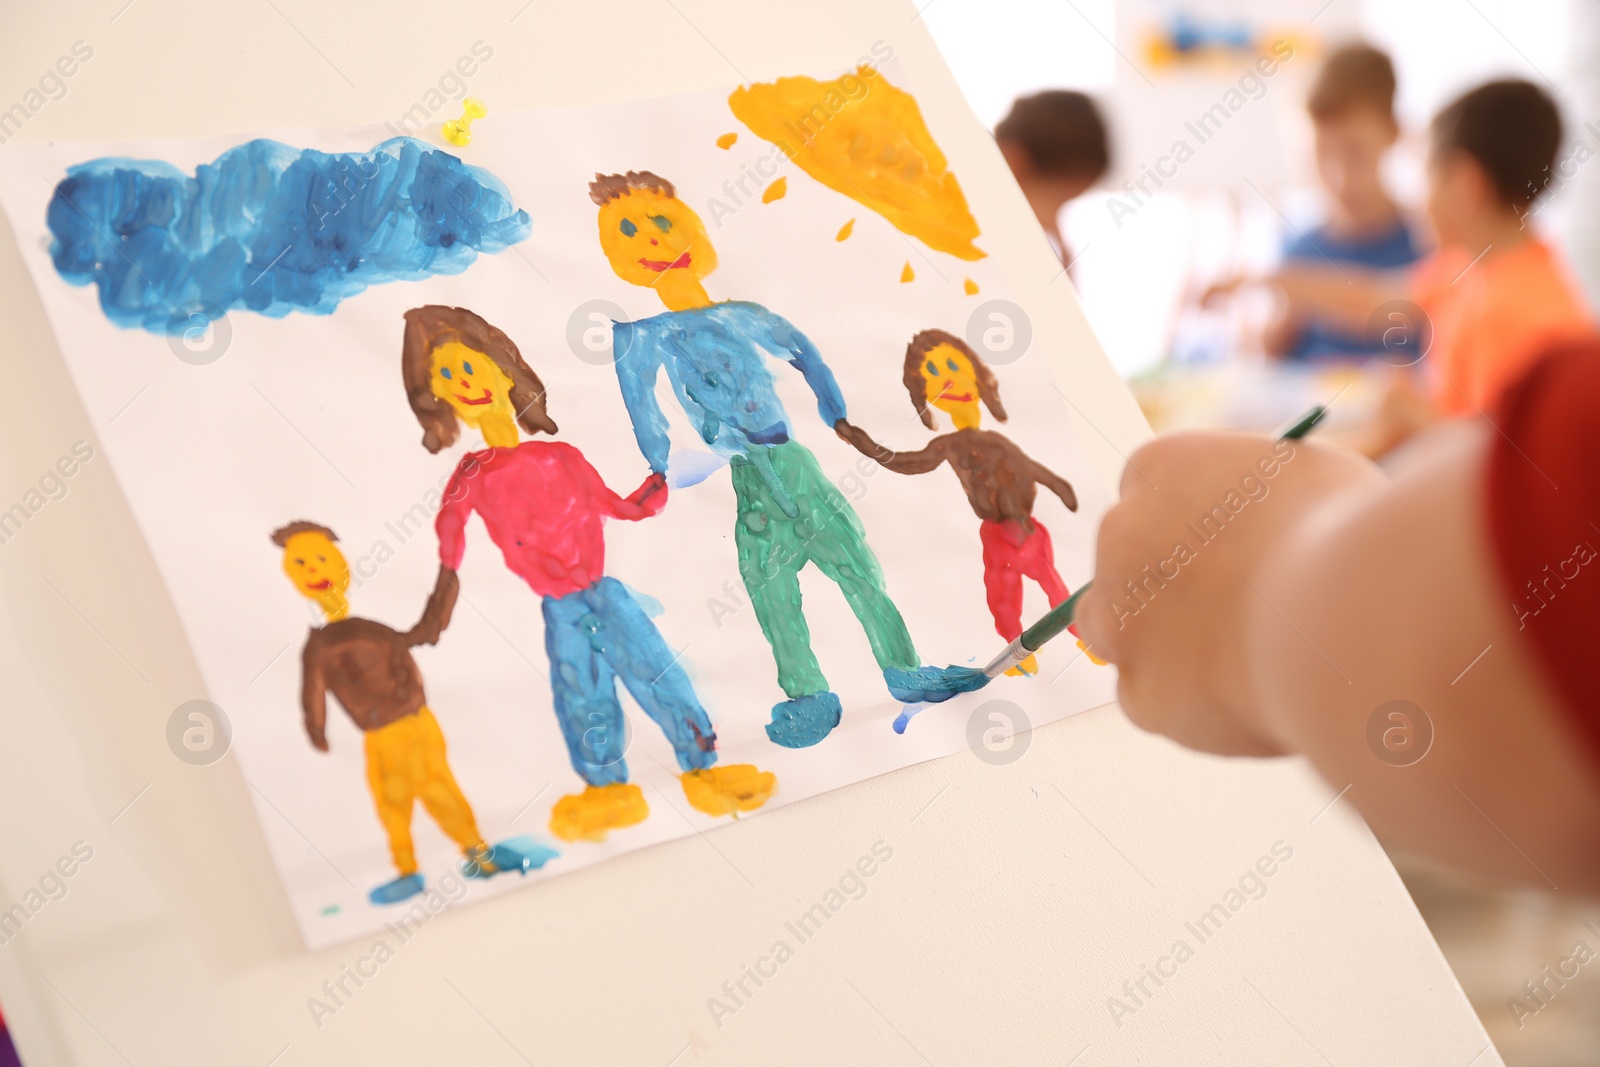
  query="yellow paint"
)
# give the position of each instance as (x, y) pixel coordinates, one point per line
(728, 790)
(1026, 667)
(1096, 660)
(658, 241)
(951, 385)
(845, 230)
(907, 274)
(319, 572)
(599, 809)
(865, 138)
(970, 286)
(478, 391)
(405, 763)
(459, 131)
(726, 140)
(775, 191)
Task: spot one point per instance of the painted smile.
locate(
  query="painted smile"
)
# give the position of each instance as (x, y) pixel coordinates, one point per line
(484, 399)
(661, 264)
(324, 584)
(960, 398)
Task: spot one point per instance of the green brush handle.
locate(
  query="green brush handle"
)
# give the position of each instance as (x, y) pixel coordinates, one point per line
(1060, 616)
(1058, 619)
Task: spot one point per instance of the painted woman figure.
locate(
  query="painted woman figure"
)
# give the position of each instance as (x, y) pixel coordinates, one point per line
(545, 507)
(1001, 481)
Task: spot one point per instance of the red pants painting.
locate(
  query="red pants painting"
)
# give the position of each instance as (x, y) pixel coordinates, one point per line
(1009, 554)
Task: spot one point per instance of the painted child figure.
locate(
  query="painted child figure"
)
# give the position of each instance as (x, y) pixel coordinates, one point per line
(545, 507)
(790, 514)
(1000, 479)
(369, 668)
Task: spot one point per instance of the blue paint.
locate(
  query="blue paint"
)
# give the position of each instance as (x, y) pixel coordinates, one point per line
(628, 228)
(521, 854)
(714, 359)
(394, 892)
(803, 721)
(690, 466)
(271, 228)
(907, 713)
(596, 637)
(931, 685)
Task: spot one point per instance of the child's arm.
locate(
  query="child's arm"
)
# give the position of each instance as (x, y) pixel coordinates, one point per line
(314, 697)
(919, 462)
(1345, 295)
(1323, 599)
(1054, 482)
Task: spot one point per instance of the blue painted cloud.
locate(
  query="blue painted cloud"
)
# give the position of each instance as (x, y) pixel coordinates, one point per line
(271, 228)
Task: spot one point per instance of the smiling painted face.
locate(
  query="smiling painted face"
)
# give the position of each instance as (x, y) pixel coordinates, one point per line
(476, 390)
(319, 571)
(951, 385)
(655, 240)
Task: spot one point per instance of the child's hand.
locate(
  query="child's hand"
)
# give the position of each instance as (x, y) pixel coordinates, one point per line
(1199, 512)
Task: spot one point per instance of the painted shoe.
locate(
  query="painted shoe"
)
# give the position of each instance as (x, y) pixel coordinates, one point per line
(1029, 666)
(402, 888)
(930, 685)
(728, 790)
(803, 721)
(599, 809)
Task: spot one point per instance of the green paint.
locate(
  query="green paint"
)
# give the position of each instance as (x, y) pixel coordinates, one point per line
(790, 514)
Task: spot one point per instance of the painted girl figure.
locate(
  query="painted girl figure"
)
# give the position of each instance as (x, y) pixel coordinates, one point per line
(545, 507)
(1001, 481)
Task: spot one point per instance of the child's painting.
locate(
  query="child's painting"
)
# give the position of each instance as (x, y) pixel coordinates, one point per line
(652, 454)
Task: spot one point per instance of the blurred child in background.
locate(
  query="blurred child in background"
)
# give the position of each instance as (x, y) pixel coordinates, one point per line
(1057, 147)
(1492, 297)
(1351, 104)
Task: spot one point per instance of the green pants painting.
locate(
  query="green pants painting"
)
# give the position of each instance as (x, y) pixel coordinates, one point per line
(790, 514)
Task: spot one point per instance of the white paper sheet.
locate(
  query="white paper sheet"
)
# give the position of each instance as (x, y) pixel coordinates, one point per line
(305, 417)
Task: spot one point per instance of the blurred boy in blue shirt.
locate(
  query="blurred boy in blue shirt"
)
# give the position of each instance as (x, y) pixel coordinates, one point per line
(1352, 114)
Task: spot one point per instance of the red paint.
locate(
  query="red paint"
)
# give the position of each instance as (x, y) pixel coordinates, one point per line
(661, 264)
(545, 506)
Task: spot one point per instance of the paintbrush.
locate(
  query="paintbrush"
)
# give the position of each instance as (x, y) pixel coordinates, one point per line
(1060, 616)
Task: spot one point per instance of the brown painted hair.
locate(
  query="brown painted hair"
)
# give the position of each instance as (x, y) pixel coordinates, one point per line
(281, 535)
(608, 187)
(917, 351)
(433, 325)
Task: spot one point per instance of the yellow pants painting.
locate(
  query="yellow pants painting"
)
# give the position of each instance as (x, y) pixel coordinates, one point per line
(406, 763)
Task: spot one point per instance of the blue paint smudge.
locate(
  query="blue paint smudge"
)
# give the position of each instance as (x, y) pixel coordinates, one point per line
(902, 720)
(690, 466)
(271, 228)
(932, 685)
(523, 852)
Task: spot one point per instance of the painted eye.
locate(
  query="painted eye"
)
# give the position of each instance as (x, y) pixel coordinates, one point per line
(444, 372)
(628, 228)
(933, 368)
(663, 223)
(952, 364)
(299, 563)
(466, 368)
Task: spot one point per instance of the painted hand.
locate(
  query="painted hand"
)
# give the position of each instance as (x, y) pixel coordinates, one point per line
(1173, 591)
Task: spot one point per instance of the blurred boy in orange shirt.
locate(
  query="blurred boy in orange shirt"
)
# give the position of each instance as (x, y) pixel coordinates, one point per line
(1496, 294)
(1493, 296)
